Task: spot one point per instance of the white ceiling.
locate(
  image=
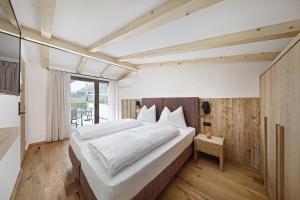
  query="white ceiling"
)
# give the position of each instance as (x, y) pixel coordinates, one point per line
(85, 22)
(225, 17)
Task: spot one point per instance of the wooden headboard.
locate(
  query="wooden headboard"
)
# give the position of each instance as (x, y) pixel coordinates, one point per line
(190, 105)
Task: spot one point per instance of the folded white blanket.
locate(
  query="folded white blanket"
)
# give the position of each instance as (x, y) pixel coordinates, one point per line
(105, 128)
(117, 151)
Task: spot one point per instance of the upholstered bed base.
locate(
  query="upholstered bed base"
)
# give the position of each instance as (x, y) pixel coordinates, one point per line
(75, 162)
(150, 191)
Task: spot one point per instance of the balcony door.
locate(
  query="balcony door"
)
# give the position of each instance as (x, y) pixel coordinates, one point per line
(89, 101)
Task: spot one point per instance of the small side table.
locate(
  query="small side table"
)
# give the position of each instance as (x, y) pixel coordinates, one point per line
(213, 146)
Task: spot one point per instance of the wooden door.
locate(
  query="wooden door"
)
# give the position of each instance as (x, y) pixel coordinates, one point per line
(22, 112)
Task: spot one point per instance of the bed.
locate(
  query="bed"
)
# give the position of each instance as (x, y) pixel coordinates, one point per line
(147, 177)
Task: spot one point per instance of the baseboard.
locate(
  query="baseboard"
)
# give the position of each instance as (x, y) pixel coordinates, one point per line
(36, 144)
(14, 192)
(43, 142)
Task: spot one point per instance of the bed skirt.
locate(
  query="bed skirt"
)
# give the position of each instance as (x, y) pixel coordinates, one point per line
(151, 191)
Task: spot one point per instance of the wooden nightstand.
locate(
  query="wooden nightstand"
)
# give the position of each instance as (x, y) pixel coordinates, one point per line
(213, 146)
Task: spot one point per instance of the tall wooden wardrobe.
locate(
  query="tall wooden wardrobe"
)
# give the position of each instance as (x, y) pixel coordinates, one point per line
(280, 123)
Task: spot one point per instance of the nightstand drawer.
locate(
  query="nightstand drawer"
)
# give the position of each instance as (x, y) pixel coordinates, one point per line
(212, 149)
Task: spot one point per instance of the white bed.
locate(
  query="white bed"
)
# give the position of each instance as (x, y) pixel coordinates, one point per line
(130, 180)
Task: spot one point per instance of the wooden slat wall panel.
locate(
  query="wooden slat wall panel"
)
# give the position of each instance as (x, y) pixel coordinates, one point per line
(237, 120)
(128, 108)
(280, 104)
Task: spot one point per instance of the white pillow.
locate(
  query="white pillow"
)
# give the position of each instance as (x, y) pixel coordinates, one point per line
(163, 119)
(147, 115)
(175, 118)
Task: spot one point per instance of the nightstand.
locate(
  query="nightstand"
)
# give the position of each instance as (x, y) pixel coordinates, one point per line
(213, 146)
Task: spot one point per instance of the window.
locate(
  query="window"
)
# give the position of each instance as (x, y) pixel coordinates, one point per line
(89, 101)
(103, 101)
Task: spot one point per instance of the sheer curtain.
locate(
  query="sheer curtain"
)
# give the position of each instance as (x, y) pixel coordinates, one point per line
(113, 100)
(58, 105)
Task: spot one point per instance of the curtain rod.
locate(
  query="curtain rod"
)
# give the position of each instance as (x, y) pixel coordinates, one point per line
(86, 75)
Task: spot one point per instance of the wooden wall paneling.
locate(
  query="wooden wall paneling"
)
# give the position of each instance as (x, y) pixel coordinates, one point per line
(265, 166)
(263, 129)
(253, 131)
(233, 142)
(277, 127)
(280, 163)
(133, 108)
(271, 113)
(274, 112)
(122, 108)
(281, 104)
(290, 120)
(237, 120)
(128, 108)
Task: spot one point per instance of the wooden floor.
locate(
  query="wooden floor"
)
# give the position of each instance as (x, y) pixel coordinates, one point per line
(47, 174)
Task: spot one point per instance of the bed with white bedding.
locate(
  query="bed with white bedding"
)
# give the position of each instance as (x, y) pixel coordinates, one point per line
(146, 177)
(128, 182)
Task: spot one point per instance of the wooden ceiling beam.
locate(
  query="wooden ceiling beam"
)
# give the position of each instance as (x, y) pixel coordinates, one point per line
(45, 57)
(47, 12)
(81, 64)
(5, 5)
(161, 15)
(220, 59)
(35, 36)
(123, 75)
(104, 70)
(8, 28)
(277, 31)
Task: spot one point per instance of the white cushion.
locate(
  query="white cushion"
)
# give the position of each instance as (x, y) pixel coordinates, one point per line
(175, 118)
(147, 115)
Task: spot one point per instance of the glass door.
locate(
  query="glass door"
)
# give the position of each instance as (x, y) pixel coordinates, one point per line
(82, 103)
(89, 101)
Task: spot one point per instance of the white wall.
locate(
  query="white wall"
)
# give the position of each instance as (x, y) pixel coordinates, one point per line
(204, 81)
(10, 162)
(9, 111)
(9, 170)
(36, 99)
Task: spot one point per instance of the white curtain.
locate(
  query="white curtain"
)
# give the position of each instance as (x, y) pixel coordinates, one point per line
(58, 105)
(113, 100)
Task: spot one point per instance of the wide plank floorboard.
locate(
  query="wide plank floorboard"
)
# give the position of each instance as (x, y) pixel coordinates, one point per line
(47, 174)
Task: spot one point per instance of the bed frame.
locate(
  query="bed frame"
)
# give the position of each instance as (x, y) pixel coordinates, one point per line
(151, 191)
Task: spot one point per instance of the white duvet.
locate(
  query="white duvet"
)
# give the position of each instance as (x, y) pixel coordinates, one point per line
(116, 151)
(105, 128)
